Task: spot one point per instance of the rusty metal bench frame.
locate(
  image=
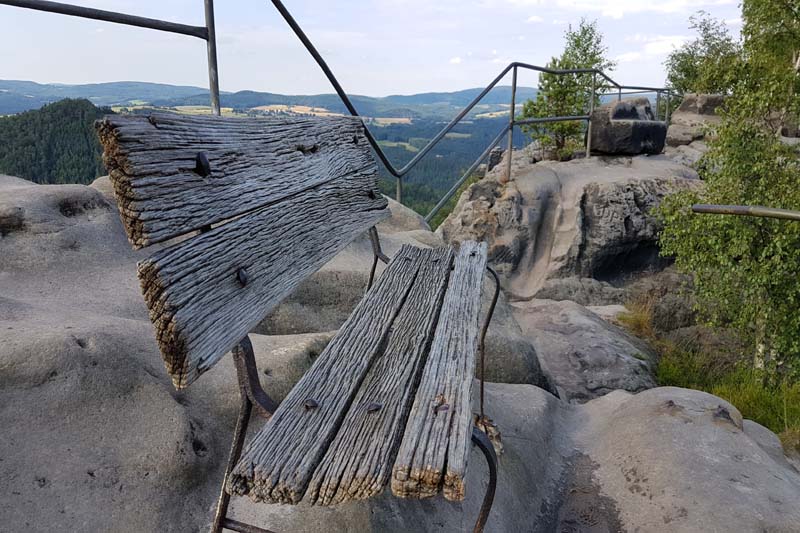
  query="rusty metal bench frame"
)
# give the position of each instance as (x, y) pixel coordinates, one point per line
(253, 396)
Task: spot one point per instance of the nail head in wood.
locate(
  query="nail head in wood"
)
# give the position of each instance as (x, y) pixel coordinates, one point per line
(241, 276)
(202, 167)
(310, 403)
(374, 406)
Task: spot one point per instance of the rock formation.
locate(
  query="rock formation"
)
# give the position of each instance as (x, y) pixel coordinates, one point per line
(96, 439)
(627, 127)
(585, 356)
(585, 218)
(693, 117)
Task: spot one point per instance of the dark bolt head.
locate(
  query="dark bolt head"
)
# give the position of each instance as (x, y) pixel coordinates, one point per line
(202, 166)
(241, 276)
(310, 403)
(374, 406)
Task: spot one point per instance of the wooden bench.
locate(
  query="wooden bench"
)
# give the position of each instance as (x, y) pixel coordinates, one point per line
(245, 210)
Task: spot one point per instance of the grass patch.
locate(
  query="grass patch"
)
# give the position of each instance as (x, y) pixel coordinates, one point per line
(775, 407)
(639, 318)
(726, 375)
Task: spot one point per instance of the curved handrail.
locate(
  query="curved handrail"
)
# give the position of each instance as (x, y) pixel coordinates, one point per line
(399, 173)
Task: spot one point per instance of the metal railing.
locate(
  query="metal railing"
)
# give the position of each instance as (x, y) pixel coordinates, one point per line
(208, 33)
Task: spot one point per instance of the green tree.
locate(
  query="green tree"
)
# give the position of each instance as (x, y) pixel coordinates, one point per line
(568, 95)
(747, 270)
(54, 144)
(708, 64)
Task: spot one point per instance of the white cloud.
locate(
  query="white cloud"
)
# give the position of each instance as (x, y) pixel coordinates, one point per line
(619, 8)
(455, 60)
(653, 45)
(628, 57)
(734, 21)
(534, 19)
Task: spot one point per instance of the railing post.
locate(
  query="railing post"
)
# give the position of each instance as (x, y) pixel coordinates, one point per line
(511, 118)
(399, 191)
(667, 114)
(213, 75)
(589, 126)
(658, 105)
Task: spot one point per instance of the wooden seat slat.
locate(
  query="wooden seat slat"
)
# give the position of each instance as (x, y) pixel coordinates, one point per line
(358, 463)
(436, 440)
(254, 162)
(278, 463)
(197, 301)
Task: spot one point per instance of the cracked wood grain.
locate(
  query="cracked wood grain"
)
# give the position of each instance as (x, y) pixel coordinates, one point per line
(278, 463)
(194, 292)
(253, 162)
(358, 463)
(433, 452)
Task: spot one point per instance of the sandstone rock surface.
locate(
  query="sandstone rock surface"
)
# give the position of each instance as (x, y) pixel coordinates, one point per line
(583, 355)
(586, 218)
(627, 127)
(694, 116)
(680, 460)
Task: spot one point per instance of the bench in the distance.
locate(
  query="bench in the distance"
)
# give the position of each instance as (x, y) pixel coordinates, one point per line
(260, 205)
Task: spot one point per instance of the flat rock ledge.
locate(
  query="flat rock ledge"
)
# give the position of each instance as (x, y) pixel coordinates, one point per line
(95, 437)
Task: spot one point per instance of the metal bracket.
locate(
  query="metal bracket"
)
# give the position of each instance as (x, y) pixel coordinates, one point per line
(377, 253)
(484, 329)
(247, 376)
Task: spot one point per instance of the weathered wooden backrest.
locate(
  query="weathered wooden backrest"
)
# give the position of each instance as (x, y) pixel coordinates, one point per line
(284, 194)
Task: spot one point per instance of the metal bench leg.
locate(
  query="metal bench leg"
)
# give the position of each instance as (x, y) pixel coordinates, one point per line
(483, 442)
(251, 395)
(236, 450)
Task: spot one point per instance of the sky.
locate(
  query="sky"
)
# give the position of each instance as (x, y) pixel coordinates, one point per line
(375, 47)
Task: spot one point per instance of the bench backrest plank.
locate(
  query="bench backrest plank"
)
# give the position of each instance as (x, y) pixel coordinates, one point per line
(208, 291)
(437, 436)
(162, 193)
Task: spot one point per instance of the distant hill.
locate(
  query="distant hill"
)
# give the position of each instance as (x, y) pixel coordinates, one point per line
(16, 96)
(54, 144)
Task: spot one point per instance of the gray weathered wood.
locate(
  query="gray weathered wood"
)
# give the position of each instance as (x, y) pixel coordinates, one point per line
(254, 162)
(435, 444)
(358, 463)
(200, 308)
(278, 463)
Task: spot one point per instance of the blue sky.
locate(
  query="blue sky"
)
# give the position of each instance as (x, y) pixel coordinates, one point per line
(375, 47)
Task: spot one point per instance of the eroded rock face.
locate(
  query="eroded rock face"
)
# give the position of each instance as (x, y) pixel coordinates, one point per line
(690, 121)
(627, 127)
(583, 355)
(586, 218)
